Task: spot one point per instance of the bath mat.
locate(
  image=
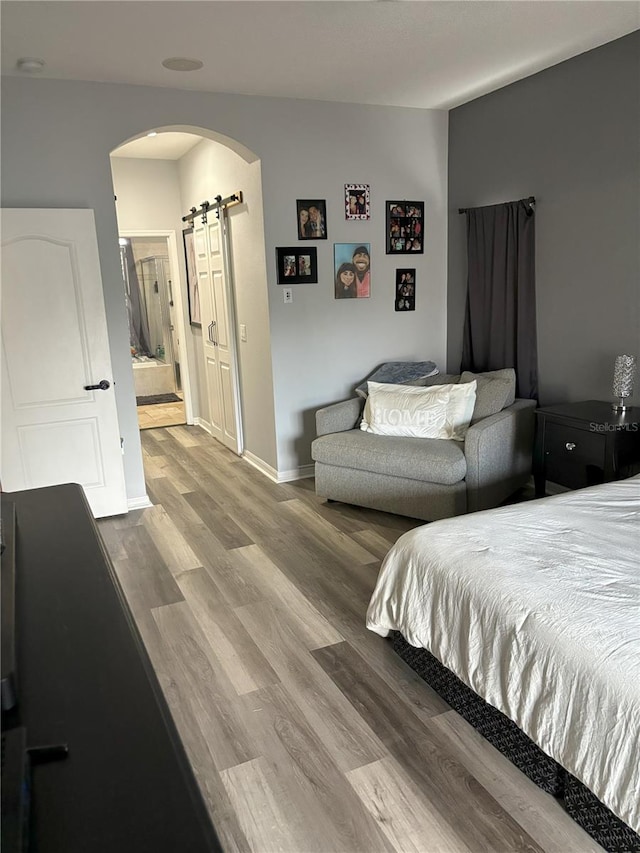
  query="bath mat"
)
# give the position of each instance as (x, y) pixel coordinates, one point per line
(157, 398)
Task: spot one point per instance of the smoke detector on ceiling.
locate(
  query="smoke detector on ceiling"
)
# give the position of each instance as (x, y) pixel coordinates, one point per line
(181, 63)
(30, 65)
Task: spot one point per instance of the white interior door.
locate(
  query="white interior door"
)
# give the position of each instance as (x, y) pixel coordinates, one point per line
(218, 332)
(54, 344)
(210, 353)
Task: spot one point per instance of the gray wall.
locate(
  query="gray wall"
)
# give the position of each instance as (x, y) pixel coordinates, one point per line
(56, 140)
(569, 136)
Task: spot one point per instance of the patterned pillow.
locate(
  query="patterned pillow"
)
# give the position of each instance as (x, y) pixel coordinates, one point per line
(398, 373)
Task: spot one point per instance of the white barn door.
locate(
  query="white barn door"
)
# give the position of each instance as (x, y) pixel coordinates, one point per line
(54, 344)
(218, 331)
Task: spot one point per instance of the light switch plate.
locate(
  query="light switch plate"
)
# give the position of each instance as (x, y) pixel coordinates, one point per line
(287, 294)
(243, 332)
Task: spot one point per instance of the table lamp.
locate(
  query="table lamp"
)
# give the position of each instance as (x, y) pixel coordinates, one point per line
(623, 374)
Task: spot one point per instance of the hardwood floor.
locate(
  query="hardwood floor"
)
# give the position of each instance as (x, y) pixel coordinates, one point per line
(305, 731)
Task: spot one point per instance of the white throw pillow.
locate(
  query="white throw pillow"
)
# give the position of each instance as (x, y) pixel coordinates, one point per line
(441, 411)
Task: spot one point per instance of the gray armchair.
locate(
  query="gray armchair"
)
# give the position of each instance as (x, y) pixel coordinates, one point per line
(423, 478)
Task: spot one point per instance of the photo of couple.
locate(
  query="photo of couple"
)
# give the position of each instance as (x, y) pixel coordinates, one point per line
(296, 265)
(312, 219)
(300, 265)
(356, 201)
(405, 290)
(405, 227)
(353, 270)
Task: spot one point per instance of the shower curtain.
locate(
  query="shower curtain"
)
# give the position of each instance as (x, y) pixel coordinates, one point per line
(138, 325)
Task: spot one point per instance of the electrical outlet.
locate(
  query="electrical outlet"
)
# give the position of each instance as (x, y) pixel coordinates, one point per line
(243, 332)
(287, 294)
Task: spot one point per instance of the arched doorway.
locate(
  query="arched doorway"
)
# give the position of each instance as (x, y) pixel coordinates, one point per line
(157, 179)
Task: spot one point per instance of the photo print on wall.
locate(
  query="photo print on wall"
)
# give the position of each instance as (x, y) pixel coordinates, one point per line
(356, 201)
(312, 219)
(405, 227)
(296, 265)
(352, 262)
(406, 290)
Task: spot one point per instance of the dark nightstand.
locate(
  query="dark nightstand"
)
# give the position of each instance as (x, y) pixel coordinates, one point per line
(583, 444)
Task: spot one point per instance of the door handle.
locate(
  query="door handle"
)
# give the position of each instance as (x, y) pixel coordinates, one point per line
(211, 329)
(103, 385)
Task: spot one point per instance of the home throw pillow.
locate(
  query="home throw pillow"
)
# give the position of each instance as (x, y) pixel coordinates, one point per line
(442, 411)
(496, 389)
(398, 373)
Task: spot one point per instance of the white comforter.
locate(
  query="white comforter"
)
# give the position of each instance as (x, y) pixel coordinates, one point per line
(536, 607)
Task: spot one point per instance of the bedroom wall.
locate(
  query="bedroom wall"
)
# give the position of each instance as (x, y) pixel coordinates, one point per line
(569, 136)
(56, 140)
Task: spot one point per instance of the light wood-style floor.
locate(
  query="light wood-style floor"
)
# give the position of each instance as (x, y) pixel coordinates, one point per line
(305, 731)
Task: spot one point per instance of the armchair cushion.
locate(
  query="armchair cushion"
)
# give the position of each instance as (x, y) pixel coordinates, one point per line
(495, 391)
(339, 416)
(426, 459)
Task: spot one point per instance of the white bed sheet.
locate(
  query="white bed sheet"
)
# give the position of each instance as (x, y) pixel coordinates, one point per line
(536, 607)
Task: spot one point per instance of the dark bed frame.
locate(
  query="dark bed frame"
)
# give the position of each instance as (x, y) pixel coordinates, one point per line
(585, 809)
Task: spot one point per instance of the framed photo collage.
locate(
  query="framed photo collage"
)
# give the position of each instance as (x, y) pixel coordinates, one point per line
(404, 235)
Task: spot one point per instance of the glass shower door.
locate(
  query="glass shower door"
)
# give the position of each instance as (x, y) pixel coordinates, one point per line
(155, 286)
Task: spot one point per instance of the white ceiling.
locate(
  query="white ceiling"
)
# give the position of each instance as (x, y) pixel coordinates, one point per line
(166, 145)
(427, 53)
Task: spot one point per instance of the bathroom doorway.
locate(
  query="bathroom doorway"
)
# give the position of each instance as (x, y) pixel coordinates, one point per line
(153, 330)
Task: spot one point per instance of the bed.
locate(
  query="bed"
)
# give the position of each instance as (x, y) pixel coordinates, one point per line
(536, 608)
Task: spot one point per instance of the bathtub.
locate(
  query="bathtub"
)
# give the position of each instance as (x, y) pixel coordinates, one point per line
(152, 377)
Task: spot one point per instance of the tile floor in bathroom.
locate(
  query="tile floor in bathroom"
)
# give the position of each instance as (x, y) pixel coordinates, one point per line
(162, 414)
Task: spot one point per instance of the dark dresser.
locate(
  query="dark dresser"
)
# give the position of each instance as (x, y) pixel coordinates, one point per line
(83, 678)
(583, 444)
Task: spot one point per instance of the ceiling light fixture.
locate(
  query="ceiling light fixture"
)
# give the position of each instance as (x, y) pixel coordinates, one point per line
(181, 63)
(30, 65)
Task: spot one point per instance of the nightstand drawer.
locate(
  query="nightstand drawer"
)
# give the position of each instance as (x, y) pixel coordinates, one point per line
(574, 457)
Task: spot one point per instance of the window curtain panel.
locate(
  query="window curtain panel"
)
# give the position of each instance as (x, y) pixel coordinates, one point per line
(500, 317)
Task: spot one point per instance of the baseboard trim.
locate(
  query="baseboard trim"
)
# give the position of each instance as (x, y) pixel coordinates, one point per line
(261, 465)
(206, 426)
(300, 473)
(139, 503)
(278, 476)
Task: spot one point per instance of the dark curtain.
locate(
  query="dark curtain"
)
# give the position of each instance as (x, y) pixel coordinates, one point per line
(500, 319)
(138, 325)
